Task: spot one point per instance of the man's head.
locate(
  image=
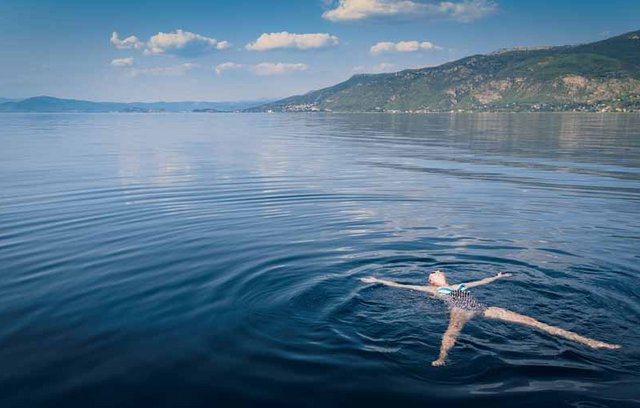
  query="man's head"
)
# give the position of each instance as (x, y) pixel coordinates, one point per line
(437, 278)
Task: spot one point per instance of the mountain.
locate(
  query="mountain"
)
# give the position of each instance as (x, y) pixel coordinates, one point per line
(51, 104)
(3, 100)
(600, 76)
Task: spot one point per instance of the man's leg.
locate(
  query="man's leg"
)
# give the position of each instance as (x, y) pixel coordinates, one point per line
(498, 313)
(457, 319)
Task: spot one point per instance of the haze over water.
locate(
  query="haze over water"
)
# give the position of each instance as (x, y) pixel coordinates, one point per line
(202, 259)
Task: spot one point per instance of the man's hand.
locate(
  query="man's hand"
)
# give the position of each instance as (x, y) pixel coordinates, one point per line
(369, 279)
(503, 275)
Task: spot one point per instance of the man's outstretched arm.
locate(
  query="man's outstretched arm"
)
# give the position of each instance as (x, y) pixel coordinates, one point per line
(486, 280)
(371, 279)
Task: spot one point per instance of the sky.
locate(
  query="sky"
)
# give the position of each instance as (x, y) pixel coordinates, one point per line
(219, 50)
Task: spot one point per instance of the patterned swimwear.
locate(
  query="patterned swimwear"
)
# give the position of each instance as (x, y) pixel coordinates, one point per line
(461, 299)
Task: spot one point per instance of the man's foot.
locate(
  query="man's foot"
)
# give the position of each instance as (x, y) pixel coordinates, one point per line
(603, 345)
(437, 363)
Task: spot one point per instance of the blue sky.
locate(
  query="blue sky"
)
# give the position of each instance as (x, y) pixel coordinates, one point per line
(250, 49)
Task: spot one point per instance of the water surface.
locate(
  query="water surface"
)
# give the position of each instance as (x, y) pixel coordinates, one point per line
(210, 259)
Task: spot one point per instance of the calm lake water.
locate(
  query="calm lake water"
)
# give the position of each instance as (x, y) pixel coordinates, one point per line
(214, 259)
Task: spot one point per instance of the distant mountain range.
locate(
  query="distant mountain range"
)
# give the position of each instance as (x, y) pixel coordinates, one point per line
(600, 76)
(51, 104)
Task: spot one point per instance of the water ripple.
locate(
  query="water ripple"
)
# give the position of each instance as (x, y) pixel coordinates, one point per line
(180, 259)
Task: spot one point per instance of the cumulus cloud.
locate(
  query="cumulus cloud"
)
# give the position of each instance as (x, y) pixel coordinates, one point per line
(284, 39)
(362, 9)
(122, 62)
(180, 43)
(385, 67)
(228, 66)
(183, 44)
(262, 68)
(276, 68)
(376, 69)
(129, 42)
(402, 46)
(172, 70)
(465, 10)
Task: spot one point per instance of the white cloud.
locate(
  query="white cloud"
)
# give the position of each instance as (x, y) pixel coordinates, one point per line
(465, 10)
(122, 62)
(402, 46)
(172, 70)
(385, 67)
(273, 41)
(183, 44)
(276, 68)
(376, 69)
(227, 66)
(262, 68)
(362, 9)
(129, 42)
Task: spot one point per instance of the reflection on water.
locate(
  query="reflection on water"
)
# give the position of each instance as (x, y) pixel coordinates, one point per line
(181, 259)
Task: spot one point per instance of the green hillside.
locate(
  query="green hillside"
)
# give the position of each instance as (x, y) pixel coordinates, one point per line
(600, 76)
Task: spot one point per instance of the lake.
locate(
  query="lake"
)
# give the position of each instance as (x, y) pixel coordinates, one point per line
(214, 259)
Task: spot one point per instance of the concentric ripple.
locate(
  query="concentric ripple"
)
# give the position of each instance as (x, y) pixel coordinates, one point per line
(185, 260)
